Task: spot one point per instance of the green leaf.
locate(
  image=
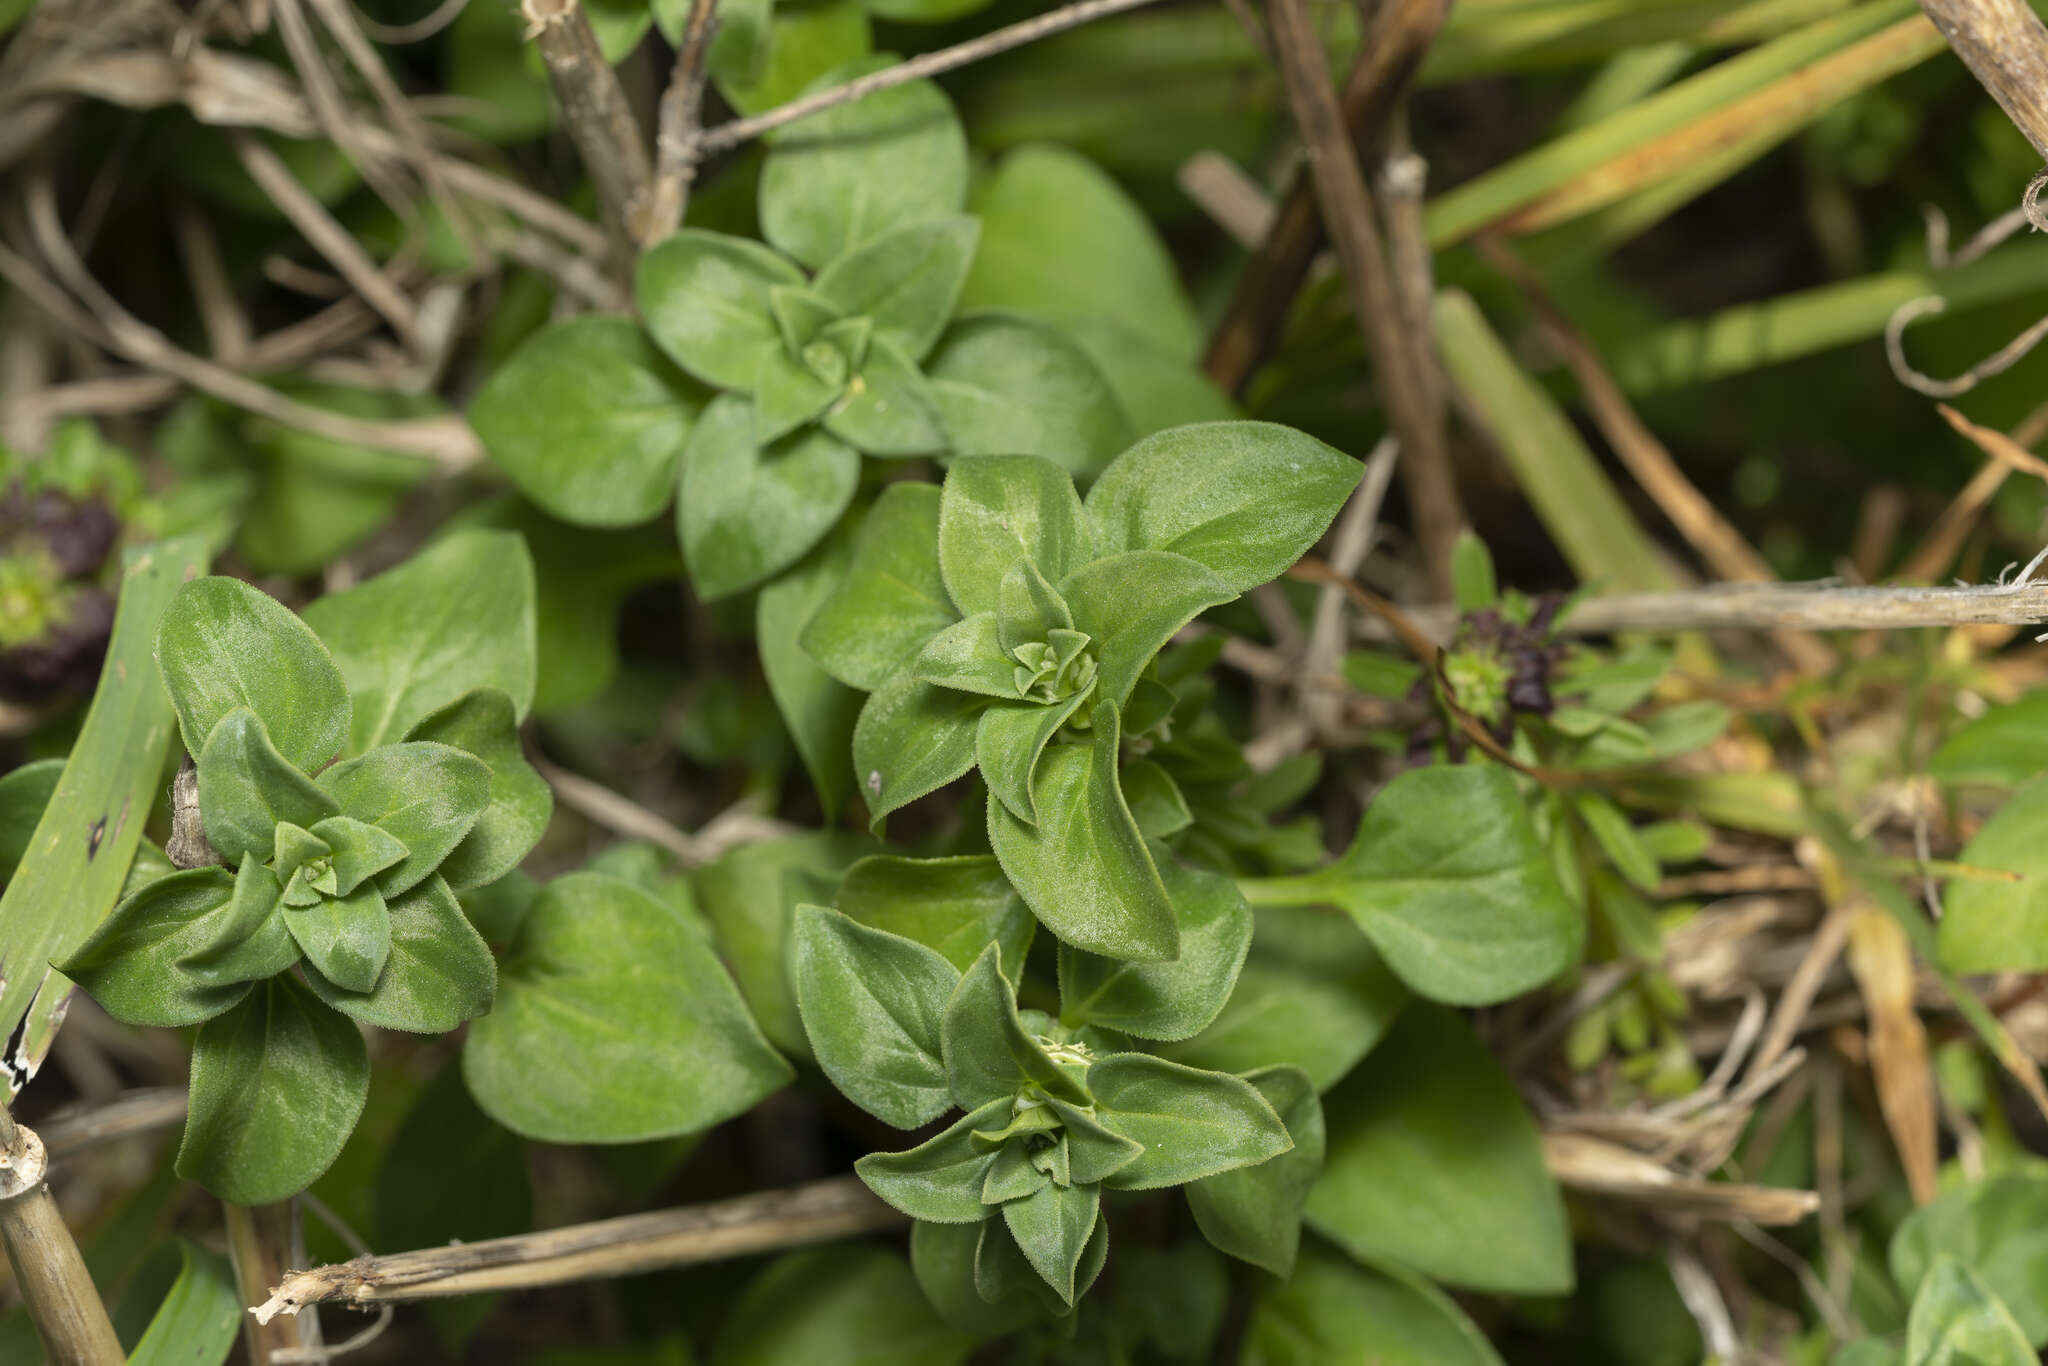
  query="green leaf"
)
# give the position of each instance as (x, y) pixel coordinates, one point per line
(225, 645)
(787, 393)
(1246, 499)
(2004, 747)
(872, 1004)
(1084, 869)
(1958, 1321)
(841, 178)
(1010, 385)
(942, 1257)
(802, 44)
(133, 964)
(1616, 837)
(968, 657)
(939, 1180)
(1132, 603)
(893, 598)
(200, 1318)
(954, 906)
(427, 795)
(1998, 1228)
(988, 1055)
(456, 617)
(1155, 800)
(2002, 926)
(357, 851)
(1060, 239)
(246, 787)
(837, 1306)
(346, 939)
(485, 724)
(906, 280)
(1191, 1123)
(1434, 1163)
(1449, 880)
(440, 973)
(912, 738)
(589, 420)
(251, 943)
(817, 709)
(1009, 741)
(998, 509)
(277, 1084)
(1313, 994)
(1333, 1310)
(1052, 1228)
(1472, 581)
(750, 894)
(1254, 1213)
(615, 1022)
(1013, 1175)
(888, 409)
(1167, 1001)
(704, 299)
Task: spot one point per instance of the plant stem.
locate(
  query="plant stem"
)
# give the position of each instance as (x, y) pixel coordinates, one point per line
(264, 1241)
(820, 1211)
(54, 1283)
(599, 119)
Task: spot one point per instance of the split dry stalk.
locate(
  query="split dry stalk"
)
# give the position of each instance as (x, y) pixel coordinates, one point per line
(1401, 356)
(264, 1243)
(2005, 45)
(51, 1275)
(820, 1211)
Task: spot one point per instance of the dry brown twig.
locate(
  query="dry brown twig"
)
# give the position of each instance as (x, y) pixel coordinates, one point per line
(675, 140)
(1401, 357)
(597, 115)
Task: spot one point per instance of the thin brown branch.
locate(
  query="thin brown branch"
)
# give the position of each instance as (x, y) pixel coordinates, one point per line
(130, 1113)
(1400, 356)
(1388, 57)
(596, 112)
(1944, 540)
(675, 141)
(328, 237)
(820, 1211)
(446, 440)
(330, 109)
(737, 131)
(227, 327)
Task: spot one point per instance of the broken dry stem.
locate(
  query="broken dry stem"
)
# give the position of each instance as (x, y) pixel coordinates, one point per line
(51, 1275)
(821, 1211)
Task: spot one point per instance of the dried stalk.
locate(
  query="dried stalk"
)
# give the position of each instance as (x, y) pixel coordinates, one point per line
(675, 140)
(2005, 45)
(1774, 606)
(126, 1115)
(1400, 355)
(48, 1270)
(264, 1241)
(1388, 56)
(820, 1211)
(597, 115)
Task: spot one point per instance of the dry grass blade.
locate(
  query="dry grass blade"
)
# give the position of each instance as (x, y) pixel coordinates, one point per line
(1594, 1165)
(1881, 959)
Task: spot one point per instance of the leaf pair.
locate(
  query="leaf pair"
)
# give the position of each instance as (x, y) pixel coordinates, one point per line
(989, 616)
(1050, 1118)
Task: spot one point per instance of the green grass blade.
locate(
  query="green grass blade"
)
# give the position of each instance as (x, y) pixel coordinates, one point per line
(1577, 503)
(1487, 198)
(79, 855)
